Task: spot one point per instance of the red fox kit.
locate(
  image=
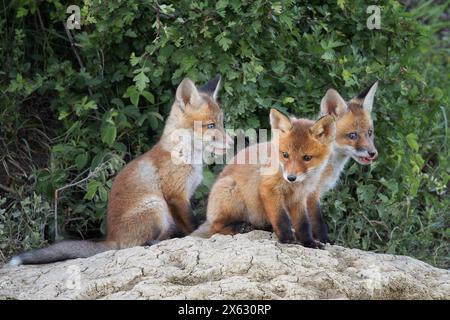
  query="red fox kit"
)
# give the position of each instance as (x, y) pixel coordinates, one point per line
(243, 195)
(354, 139)
(149, 200)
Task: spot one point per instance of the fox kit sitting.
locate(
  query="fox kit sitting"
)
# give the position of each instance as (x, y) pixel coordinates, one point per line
(149, 200)
(354, 139)
(248, 195)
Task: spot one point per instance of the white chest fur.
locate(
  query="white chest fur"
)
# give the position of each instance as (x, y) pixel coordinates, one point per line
(337, 163)
(194, 179)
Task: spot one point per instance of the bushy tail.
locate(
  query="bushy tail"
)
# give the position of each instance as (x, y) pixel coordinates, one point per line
(61, 251)
(204, 231)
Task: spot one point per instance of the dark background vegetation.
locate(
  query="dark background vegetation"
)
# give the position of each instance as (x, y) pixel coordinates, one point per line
(63, 118)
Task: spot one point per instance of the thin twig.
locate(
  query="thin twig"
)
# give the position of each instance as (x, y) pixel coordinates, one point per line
(73, 45)
(90, 175)
(157, 8)
(158, 20)
(42, 27)
(72, 184)
(8, 189)
(370, 222)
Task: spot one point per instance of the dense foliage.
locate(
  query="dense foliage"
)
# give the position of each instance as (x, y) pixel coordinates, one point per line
(72, 113)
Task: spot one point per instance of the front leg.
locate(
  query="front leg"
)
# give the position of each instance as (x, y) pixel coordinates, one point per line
(302, 225)
(182, 214)
(279, 219)
(319, 226)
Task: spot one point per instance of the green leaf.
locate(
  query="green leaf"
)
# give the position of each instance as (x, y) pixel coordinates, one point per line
(277, 7)
(223, 41)
(328, 55)
(109, 133)
(153, 122)
(81, 160)
(59, 148)
(82, 107)
(157, 115)
(103, 193)
(148, 96)
(21, 12)
(134, 60)
(63, 114)
(278, 67)
(288, 100)
(130, 33)
(346, 74)
(221, 5)
(412, 141)
(117, 102)
(167, 9)
(133, 94)
(153, 118)
(91, 190)
(141, 81)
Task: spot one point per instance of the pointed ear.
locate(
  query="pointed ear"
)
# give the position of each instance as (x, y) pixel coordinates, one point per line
(324, 129)
(187, 94)
(280, 121)
(332, 103)
(212, 87)
(367, 96)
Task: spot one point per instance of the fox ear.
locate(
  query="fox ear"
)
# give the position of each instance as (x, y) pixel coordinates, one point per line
(332, 103)
(280, 121)
(212, 87)
(324, 129)
(367, 96)
(187, 94)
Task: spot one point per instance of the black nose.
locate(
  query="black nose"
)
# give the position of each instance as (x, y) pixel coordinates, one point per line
(291, 178)
(372, 154)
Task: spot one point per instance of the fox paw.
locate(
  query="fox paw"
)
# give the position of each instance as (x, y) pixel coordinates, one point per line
(313, 244)
(290, 241)
(326, 240)
(245, 227)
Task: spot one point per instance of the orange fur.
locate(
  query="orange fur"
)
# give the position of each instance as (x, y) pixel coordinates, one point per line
(149, 199)
(243, 195)
(352, 118)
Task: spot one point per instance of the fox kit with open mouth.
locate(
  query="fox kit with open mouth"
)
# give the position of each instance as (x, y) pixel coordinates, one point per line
(149, 200)
(354, 139)
(272, 193)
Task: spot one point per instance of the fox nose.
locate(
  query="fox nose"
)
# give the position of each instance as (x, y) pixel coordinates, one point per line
(372, 154)
(291, 178)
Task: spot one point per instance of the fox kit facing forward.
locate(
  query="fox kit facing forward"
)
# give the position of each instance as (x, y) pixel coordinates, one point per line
(244, 196)
(354, 139)
(149, 200)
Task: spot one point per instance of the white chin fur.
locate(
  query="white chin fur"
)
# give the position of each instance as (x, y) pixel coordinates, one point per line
(15, 261)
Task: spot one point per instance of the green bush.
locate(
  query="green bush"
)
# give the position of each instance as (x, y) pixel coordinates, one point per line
(19, 231)
(63, 117)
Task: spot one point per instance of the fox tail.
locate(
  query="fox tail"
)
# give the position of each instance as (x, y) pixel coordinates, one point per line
(204, 231)
(61, 251)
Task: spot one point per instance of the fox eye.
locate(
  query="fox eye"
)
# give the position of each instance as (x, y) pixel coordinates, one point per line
(352, 135)
(370, 132)
(211, 125)
(307, 158)
(285, 154)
